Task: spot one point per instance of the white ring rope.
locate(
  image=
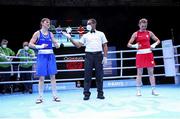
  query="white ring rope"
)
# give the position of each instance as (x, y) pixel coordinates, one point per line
(70, 70)
(78, 79)
(121, 67)
(58, 61)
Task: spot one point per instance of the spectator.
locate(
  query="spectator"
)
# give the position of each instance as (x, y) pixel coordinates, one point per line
(29, 54)
(5, 52)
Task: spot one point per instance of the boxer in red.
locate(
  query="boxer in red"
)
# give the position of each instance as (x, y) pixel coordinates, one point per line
(144, 56)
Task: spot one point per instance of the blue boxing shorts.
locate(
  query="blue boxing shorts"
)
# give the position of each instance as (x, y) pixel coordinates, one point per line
(46, 65)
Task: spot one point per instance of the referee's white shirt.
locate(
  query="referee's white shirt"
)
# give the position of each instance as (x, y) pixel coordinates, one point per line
(93, 41)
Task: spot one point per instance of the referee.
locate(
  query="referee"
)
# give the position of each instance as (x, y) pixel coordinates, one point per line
(95, 43)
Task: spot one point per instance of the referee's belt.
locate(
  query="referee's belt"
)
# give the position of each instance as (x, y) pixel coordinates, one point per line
(144, 51)
(45, 51)
(98, 52)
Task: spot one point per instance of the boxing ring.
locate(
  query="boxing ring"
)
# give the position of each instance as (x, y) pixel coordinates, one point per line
(119, 89)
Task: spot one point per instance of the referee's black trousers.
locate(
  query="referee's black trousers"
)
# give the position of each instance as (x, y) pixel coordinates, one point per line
(93, 60)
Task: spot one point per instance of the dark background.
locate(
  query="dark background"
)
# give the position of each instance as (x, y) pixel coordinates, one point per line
(18, 23)
(117, 19)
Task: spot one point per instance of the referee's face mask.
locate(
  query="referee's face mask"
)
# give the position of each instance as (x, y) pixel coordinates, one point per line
(89, 27)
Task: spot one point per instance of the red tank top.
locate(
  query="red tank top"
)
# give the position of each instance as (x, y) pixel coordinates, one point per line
(143, 39)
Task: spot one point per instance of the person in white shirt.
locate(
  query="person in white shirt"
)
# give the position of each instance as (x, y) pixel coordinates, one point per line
(95, 43)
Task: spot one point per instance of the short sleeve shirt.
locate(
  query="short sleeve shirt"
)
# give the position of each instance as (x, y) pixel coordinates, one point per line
(93, 41)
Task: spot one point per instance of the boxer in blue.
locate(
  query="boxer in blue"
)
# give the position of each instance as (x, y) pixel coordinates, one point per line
(46, 63)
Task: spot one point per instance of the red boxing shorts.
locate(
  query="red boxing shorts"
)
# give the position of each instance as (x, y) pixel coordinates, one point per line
(145, 60)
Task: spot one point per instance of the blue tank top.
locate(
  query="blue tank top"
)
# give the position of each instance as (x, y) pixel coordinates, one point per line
(45, 39)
